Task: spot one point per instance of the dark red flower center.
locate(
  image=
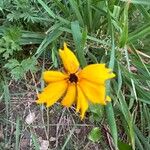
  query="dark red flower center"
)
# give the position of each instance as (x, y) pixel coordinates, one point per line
(73, 78)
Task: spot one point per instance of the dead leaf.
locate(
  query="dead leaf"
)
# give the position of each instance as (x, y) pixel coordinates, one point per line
(44, 145)
(30, 118)
(24, 144)
(52, 139)
(77, 131)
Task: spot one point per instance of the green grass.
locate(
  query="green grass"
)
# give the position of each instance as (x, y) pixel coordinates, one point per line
(114, 32)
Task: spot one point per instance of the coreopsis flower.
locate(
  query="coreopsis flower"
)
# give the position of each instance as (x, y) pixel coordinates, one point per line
(75, 85)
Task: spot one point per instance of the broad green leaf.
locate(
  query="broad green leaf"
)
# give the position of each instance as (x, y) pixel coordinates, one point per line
(96, 112)
(124, 146)
(95, 135)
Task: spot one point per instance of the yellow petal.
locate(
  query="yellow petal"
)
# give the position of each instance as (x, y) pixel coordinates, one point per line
(97, 73)
(69, 60)
(52, 76)
(108, 99)
(52, 93)
(94, 92)
(70, 96)
(82, 103)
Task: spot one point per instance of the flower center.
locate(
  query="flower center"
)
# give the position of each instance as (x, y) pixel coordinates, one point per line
(73, 78)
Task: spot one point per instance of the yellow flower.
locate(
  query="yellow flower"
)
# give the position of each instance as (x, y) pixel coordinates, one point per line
(74, 85)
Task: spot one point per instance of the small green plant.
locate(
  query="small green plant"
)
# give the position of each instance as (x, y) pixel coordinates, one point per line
(19, 69)
(95, 135)
(10, 42)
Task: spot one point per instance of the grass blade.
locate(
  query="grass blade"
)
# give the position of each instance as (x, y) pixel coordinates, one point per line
(79, 40)
(109, 108)
(144, 2)
(68, 138)
(35, 141)
(48, 39)
(17, 134)
(49, 11)
(75, 8)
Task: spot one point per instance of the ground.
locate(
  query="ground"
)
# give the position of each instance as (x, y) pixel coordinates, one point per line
(56, 127)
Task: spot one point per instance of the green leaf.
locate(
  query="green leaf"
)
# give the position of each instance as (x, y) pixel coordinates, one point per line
(18, 70)
(144, 141)
(79, 39)
(128, 117)
(95, 135)
(2, 50)
(96, 112)
(75, 8)
(49, 11)
(17, 134)
(109, 108)
(6, 97)
(29, 64)
(140, 32)
(124, 21)
(48, 39)
(17, 73)
(145, 2)
(35, 141)
(68, 138)
(9, 43)
(124, 146)
(12, 63)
